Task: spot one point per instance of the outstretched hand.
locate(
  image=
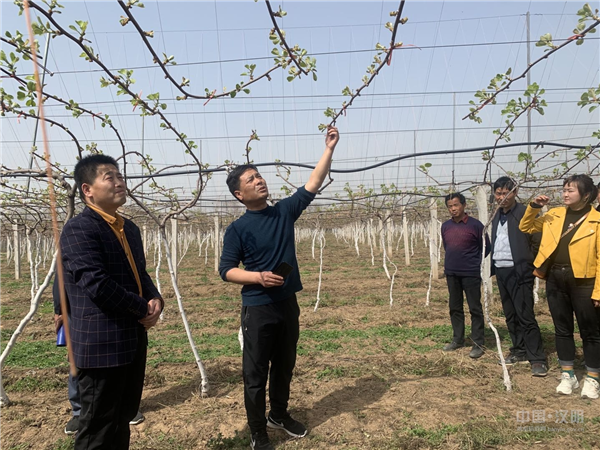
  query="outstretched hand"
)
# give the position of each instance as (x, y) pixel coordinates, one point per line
(332, 138)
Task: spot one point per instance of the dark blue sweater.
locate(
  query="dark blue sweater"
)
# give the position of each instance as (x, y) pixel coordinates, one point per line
(463, 245)
(262, 240)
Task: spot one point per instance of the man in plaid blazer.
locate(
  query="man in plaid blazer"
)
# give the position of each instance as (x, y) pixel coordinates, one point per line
(112, 301)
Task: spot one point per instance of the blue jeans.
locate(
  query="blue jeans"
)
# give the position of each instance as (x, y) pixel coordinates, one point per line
(74, 395)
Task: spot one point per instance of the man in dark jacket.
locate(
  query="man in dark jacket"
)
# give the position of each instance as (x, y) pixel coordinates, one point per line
(112, 302)
(72, 426)
(513, 253)
(263, 241)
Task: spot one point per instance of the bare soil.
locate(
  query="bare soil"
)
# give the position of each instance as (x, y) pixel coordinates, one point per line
(364, 379)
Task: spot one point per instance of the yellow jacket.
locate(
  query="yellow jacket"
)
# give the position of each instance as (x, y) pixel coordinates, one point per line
(584, 248)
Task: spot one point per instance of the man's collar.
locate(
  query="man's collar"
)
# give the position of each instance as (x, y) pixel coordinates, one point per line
(509, 210)
(110, 219)
(463, 220)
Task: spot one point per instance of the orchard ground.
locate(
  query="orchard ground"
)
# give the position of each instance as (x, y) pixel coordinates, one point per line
(368, 376)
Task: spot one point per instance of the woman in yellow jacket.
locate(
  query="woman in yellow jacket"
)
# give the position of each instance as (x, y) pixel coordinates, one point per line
(570, 256)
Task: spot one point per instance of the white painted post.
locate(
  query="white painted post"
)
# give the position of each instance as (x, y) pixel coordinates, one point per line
(217, 243)
(406, 238)
(17, 252)
(481, 198)
(174, 246)
(390, 236)
(381, 230)
(145, 237)
(433, 238)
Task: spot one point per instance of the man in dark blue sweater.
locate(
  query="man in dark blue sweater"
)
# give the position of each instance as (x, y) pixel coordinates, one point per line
(262, 239)
(462, 238)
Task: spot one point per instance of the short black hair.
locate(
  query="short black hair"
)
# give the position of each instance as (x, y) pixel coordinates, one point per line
(86, 170)
(461, 198)
(504, 182)
(233, 179)
(585, 185)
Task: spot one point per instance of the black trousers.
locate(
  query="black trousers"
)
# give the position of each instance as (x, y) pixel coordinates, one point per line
(516, 293)
(471, 286)
(567, 295)
(110, 398)
(270, 336)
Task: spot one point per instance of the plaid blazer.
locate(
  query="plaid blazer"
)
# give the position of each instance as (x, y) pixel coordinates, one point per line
(102, 291)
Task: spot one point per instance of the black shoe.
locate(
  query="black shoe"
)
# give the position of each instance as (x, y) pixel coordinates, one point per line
(287, 424)
(476, 352)
(139, 418)
(539, 369)
(72, 426)
(512, 359)
(260, 441)
(452, 346)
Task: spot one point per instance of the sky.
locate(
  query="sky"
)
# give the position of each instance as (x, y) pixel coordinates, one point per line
(450, 50)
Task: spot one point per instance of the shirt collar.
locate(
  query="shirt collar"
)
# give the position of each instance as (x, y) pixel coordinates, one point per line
(463, 220)
(117, 221)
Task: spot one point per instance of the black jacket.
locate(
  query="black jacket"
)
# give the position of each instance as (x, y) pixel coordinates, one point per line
(523, 246)
(102, 290)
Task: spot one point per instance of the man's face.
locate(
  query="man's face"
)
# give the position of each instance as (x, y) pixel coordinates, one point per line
(505, 198)
(253, 187)
(455, 208)
(108, 189)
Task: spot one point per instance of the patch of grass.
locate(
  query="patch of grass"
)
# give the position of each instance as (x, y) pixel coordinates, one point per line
(388, 338)
(437, 333)
(36, 354)
(66, 443)
(35, 384)
(175, 348)
(219, 323)
(329, 347)
(7, 312)
(422, 348)
(46, 309)
(5, 334)
(367, 300)
(161, 441)
(16, 284)
(222, 443)
(434, 436)
(480, 434)
(19, 447)
(331, 373)
(195, 325)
